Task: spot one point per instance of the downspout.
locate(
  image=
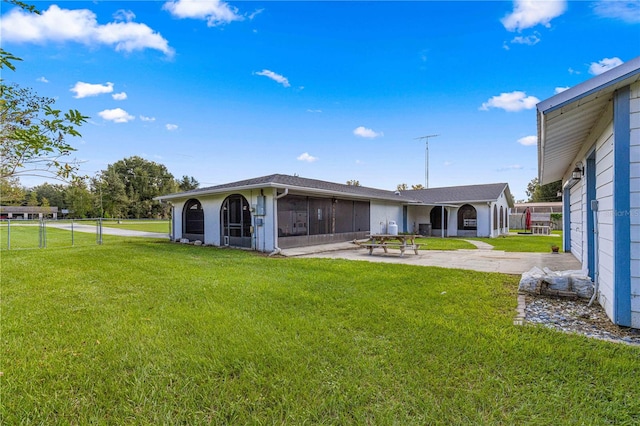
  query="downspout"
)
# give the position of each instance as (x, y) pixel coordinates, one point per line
(276, 249)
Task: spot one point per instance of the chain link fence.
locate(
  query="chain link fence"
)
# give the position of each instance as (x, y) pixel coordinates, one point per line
(21, 234)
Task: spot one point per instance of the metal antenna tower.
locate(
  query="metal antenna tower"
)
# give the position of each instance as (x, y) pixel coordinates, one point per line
(426, 158)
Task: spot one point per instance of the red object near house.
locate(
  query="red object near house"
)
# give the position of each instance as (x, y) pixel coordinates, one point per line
(527, 219)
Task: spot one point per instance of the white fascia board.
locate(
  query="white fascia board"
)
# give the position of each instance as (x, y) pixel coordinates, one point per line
(610, 78)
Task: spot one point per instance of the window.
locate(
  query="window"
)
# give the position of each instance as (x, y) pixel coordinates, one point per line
(299, 215)
(193, 218)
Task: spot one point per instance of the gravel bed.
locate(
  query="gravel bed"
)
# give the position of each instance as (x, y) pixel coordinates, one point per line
(574, 316)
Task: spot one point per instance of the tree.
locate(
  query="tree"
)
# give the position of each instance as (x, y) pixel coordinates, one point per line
(416, 187)
(353, 182)
(402, 187)
(53, 193)
(187, 183)
(79, 200)
(543, 193)
(33, 134)
(129, 187)
(11, 192)
(110, 195)
(31, 199)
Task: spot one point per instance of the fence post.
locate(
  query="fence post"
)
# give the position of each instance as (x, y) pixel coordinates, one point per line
(99, 231)
(44, 233)
(40, 234)
(8, 234)
(72, 233)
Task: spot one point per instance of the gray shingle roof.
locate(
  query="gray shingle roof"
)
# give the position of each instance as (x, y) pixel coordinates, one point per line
(447, 195)
(297, 182)
(460, 194)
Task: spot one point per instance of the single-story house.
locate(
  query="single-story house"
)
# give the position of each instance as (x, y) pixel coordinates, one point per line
(28, 212)
(281, 211)
(589, 137)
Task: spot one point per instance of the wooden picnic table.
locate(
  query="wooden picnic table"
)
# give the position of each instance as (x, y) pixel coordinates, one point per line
(386, 241)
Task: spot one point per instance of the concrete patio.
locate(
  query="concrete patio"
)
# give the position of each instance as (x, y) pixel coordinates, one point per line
(483, 259)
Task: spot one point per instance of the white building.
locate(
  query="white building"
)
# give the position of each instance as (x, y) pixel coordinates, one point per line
(589, 137)
(281, 211)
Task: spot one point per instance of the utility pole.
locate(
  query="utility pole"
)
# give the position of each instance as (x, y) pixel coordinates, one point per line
(426, 158)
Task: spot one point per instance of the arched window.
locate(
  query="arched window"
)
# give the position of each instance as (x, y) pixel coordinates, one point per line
(436, 218)
(495, 216)
(467, 218)
(501, 218)
(193, 220)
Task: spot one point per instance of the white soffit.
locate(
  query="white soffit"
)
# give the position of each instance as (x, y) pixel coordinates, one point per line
(566, 120)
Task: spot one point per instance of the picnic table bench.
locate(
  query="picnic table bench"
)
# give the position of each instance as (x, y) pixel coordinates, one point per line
(387, 241)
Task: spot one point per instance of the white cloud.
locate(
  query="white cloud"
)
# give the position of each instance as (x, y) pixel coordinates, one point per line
(83, 90)
(124, 15)
(528, 140)
(81, 26)
(171, 127)
(627, 11)
(448, 163)
(572, 71)
(42, 79)
(306, 157)
(363, 132)
(119, 96)
(117, 115)
(514, 101)
(528, 40)
(560, 89)
(511, 167)
(597, 68)
(529, 13)
(317, 111)
(144, 118)
(215, 12)
(255, 13)
(275, 77)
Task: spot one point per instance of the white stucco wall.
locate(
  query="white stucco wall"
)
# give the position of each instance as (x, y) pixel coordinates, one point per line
(634, 185)
(382, 213)
(262, 237)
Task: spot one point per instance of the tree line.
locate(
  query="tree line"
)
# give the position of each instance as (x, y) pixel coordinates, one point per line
(126, 189)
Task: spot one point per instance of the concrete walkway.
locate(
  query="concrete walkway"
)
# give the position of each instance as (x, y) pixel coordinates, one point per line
(92, 229)
(483, 259)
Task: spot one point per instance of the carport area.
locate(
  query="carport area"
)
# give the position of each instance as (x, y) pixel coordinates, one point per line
(483, 259)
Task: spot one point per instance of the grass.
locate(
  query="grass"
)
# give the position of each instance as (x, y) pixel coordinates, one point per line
(161, 226)
(524, 243)
(144, 332)
(26, 235)
(435, 243)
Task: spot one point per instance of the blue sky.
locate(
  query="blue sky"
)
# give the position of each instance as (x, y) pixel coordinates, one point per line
(224, 91)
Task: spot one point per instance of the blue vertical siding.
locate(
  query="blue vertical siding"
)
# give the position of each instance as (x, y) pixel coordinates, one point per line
(622, 207)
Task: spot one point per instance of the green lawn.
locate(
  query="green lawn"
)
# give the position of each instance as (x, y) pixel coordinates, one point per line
(435, 243)
(162, 226)
(524, 243)
(27, 235)
(148, 332)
